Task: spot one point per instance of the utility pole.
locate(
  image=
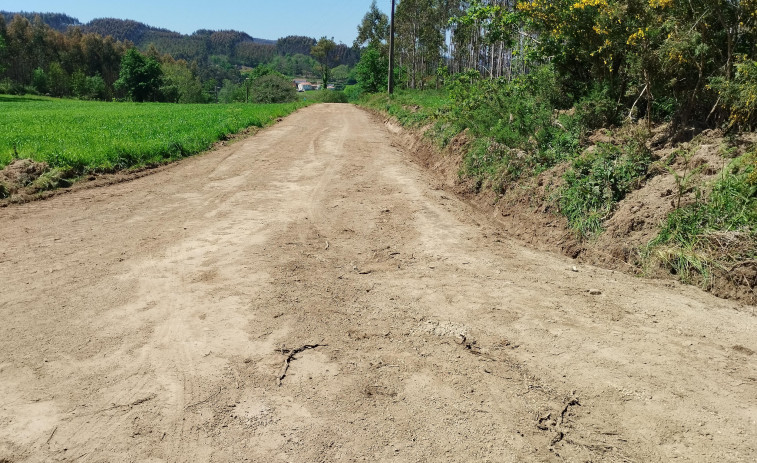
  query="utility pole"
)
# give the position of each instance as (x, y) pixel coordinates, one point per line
(391, 51)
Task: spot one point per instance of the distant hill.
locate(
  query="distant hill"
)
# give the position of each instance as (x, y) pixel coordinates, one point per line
(58, 21)
(233, 47)
(142, 35)
(126, 29)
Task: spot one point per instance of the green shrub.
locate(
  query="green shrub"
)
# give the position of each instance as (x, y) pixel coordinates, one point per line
(739, 95)
(515, 127)
(372, 72)
(598, 109)
(353, 92)
(599, 179)
(523, 134)
(330, 96)
(272, 88)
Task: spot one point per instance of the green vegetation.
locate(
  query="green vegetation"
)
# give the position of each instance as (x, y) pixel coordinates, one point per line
(513, 124)
(91, 136)
(411, 108)
(323, 52)
(272, 88)
(140, 77)
(599, 179)
(580, 85)
(55, 55)
(372, 72)
(715, 232)
(324, 96)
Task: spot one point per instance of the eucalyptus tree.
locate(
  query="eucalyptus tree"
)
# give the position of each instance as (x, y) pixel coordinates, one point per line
(141, 77)
(421, 27)
(373, 29)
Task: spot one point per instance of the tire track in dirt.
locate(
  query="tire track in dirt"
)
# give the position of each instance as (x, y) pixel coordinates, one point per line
(151, 320)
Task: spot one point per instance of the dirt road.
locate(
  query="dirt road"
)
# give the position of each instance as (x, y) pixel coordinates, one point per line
(307, 295)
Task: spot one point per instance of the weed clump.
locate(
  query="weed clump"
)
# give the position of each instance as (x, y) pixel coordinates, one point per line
(717, 232)
(602, 177)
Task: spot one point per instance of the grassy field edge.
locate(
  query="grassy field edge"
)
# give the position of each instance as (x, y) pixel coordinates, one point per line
(51, 143)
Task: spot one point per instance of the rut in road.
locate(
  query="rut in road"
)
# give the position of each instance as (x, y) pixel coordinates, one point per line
(151, 321)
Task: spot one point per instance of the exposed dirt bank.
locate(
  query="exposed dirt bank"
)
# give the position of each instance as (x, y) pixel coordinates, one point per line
(527, 212)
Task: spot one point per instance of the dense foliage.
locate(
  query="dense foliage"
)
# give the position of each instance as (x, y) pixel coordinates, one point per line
(140, 77)
(690, 61)
(272, 88)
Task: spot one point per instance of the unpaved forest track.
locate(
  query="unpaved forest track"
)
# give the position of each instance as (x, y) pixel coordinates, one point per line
(153, 320)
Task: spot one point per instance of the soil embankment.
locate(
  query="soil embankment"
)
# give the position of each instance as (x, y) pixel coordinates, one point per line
(528, 210)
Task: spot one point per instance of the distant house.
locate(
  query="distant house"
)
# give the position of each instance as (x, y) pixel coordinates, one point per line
(304, 85)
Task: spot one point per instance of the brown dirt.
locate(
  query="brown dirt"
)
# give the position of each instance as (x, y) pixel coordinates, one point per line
(639, 216)
(19, 174)
(312, 294)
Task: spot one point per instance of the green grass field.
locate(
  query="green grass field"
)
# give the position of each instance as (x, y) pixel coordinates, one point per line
(90, 136)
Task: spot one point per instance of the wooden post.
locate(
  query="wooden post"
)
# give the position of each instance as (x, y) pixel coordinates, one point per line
(391, 51)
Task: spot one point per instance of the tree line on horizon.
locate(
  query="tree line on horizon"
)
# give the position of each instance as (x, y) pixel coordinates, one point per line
(64, 58)
(681, 59)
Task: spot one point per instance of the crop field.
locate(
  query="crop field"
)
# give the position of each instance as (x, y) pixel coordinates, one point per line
(95, 136)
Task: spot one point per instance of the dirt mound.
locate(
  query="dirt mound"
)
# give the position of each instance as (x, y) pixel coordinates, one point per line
(24, 180)
(19, 174)
(637, 219)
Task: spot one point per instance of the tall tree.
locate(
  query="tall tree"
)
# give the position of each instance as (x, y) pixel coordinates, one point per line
(421, 28)
(180, 84)
(373, 70)
(323, 53)
(140, 77)
(374, 28)
(19, 67)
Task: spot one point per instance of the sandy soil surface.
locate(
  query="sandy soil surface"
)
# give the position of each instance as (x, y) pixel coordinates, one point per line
(310, 294)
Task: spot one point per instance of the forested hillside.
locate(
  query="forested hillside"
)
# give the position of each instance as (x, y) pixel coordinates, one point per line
(58, 21)
(55, 54)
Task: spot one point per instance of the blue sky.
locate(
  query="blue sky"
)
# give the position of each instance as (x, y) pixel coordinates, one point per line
(265, 19)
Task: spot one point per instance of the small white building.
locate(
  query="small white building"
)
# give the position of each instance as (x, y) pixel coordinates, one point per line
(304, 85)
